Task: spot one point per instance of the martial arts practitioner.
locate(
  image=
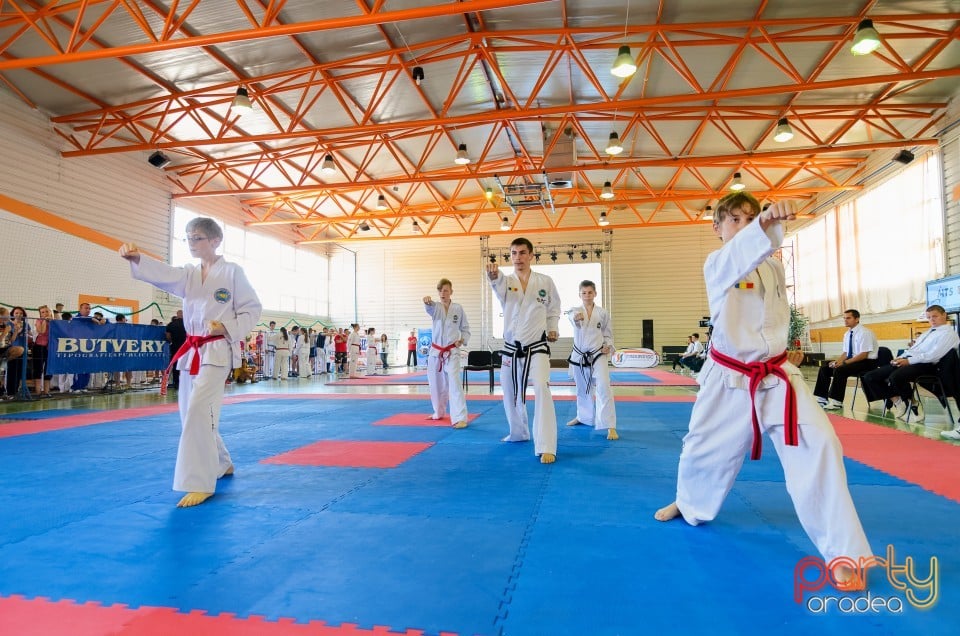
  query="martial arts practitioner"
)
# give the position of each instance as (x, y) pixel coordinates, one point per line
(303, 354)
(592, 346)
(354, 342)
(531, 315)
(270, 342)
(281, 367)
(451, 330)
(373, 351)
(219, 310)
(750, 371)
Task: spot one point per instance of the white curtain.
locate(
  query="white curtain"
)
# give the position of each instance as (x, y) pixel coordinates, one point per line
(875, 252)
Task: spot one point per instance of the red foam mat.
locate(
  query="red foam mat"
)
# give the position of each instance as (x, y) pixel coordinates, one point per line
(351, 454)
(928, 463)
(42, 616)
(418, 419)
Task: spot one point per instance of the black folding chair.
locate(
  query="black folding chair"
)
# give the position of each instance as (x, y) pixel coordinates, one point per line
(478, 361)
(944, 384)
(884, 356)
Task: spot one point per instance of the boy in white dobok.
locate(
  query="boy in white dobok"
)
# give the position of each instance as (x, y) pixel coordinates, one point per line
(354, 342)
(451, 330)
(219, 310)
(749, 371)
(531, 317)
(592, 346)
(373, 351)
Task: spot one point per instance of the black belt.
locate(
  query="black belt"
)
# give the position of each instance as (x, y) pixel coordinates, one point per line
(586, 361)
(517, 352)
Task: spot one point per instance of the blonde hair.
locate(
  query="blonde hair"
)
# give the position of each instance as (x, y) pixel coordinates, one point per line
(736, 201)
(444, 281)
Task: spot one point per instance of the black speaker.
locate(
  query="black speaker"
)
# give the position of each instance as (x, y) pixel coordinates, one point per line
(904, 157)
(158, 159)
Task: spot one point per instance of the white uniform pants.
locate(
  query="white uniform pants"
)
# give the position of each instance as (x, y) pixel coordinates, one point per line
(303, 369)
(353, 364)
(445, 386)
(269, 360)
(544, 414)
(595, 410)
(202, 457)
(372, 359)
(281, 366)
(721, 435)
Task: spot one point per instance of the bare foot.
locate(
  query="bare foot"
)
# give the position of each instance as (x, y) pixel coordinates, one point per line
(547, 458)
(667, 512)
(228, 472)
(193, 499)
(612, 433)
(460, 424)
(574, 422)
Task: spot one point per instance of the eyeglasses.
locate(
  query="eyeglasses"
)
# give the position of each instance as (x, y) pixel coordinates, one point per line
(195, 239)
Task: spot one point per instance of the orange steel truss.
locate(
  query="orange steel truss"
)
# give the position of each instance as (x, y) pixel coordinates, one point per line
(276, 168)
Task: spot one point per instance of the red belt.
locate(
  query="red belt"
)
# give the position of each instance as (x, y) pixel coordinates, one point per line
(757, 371)
(192, 342)
(444, 354)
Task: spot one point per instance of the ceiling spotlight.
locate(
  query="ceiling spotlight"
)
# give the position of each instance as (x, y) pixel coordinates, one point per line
(462, 159)
(506, 257)
(241, 101)
(598, 253)
(737, 184)
(416, 227)
(364, 227)
(583, 255)
(488, 193)
(505, 223)
(536, 255)
(867, 40)
(381, 202)
(417, 74)
(570, 254)
(904, 157)
(603, 220)
(553, 256)
(493, 258)
(784, 132)
(623, 66)
(158, 159)
(613, 146)
(607, 191)
(328, 167)
(708, 213)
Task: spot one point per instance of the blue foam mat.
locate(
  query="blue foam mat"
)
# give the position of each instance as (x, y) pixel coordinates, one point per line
(471, 536)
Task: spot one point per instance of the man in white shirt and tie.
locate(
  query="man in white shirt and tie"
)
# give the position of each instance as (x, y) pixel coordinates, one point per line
(893, 381)
(859, 355)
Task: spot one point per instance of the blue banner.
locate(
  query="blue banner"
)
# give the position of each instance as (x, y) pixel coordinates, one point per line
(424, 341)
(83, 346)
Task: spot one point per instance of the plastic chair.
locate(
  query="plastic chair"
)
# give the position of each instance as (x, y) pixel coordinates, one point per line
(944, 384)
(478, 361)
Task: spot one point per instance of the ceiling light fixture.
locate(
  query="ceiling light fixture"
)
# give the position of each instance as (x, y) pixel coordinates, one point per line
(505, 224)
(708, 213)
(241, 101)
(462, 159)
(493, 258)
(867, 40)
(623, 66)
(904, 157)
(553, 256)
(381, 202)
(613, 146)
(583, 255)
(598, 253)
(784, 132)
(364, 227)
(488, 193)
(737, 184)
(603, 222)
(607, 191)
(416, 227)
(570, 254)
(417, 74)
(328, 167)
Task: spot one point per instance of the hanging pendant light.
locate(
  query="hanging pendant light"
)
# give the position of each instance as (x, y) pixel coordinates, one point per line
(613, 146)
(623, 65)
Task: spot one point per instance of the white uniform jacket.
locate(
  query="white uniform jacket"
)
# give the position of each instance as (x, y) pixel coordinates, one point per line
(225, 296)
(593, 333)
(449, 325)
(527, 315)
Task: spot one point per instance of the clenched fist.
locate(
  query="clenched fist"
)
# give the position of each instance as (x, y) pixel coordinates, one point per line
(131, 252)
